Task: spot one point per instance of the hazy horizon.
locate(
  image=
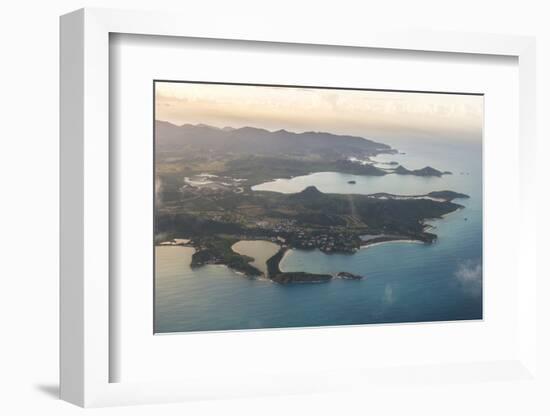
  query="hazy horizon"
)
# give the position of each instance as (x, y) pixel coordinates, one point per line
(366, 113)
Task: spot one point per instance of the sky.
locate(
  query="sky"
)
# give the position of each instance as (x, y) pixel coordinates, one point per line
(371, 114)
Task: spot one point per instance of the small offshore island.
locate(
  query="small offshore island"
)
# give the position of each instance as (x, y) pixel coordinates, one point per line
(205, 177)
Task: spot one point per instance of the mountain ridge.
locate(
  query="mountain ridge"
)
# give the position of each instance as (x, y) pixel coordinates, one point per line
(259, 141)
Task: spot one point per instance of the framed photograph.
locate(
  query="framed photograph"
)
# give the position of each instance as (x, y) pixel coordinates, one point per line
(245, 213)
(291, 194)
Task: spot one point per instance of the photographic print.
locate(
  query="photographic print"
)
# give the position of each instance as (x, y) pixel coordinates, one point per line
(290, 206)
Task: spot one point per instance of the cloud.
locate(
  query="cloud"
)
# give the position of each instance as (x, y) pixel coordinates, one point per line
(470, 276)
(388, 294)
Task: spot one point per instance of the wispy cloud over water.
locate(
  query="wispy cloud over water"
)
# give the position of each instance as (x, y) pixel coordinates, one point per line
(388, 294)
(470, 275)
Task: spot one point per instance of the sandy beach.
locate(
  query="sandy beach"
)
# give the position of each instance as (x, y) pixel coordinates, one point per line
(365, 246)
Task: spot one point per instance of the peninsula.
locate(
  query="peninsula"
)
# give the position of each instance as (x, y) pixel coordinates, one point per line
(204, 195)
(310, 219)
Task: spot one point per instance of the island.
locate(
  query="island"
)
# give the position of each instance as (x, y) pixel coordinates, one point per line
(348, 276)
(427, 171)
(204, 197)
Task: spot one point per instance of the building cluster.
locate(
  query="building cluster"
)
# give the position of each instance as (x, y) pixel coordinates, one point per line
(328, 243)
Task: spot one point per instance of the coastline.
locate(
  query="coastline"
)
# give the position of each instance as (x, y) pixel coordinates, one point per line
(287, 252)
(377, 243)
(460, 207)
(281, 276)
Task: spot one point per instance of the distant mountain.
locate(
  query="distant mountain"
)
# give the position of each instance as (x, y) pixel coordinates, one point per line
(256, 141)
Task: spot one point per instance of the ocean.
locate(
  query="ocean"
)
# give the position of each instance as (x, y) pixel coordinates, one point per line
(403, 282)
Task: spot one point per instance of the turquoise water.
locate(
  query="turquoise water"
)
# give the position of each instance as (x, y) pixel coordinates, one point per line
(404, 282)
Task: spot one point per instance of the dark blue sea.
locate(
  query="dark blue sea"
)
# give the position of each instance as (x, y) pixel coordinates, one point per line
(404, 282)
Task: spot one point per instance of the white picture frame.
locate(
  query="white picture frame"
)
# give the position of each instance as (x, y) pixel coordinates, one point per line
(85, 210)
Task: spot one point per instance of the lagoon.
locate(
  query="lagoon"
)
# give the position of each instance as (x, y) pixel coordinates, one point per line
(259, 250)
